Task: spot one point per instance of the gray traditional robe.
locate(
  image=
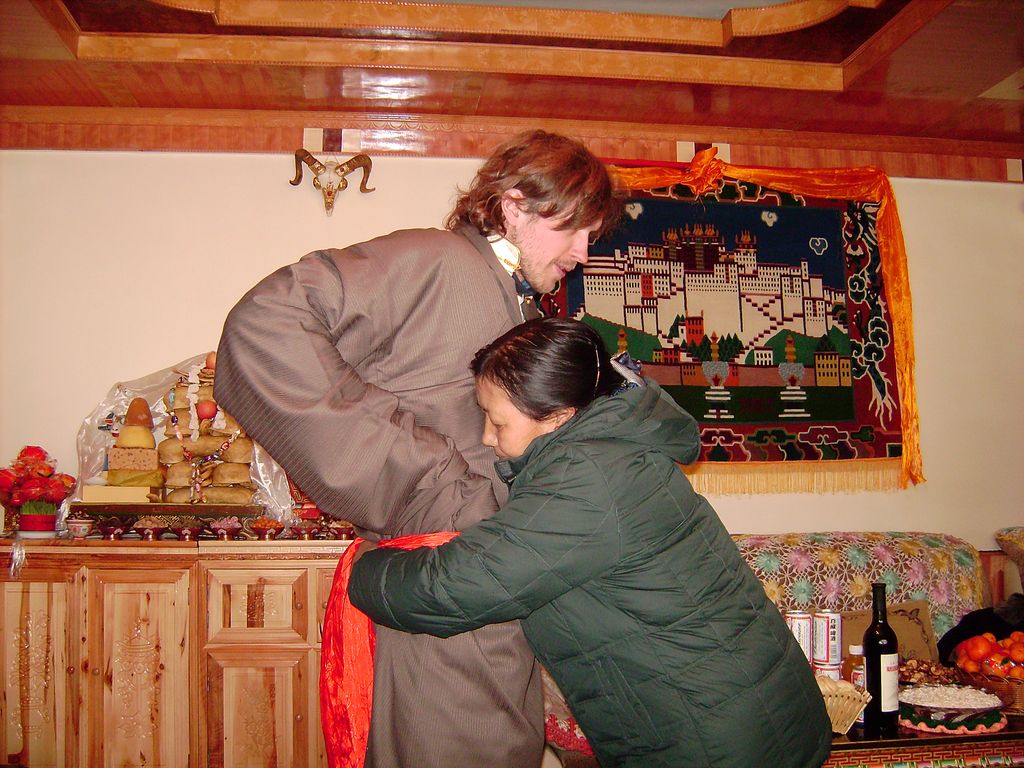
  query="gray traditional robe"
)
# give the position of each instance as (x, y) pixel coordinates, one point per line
(351, 367)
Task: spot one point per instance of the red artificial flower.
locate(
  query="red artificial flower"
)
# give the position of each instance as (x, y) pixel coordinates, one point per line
(33, 476)
(32, 489)
(33, 454)
(55, 492)
(7, 480)
(42, 470)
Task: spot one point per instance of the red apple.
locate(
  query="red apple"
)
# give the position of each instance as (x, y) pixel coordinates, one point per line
(211, 361)
(206, 409)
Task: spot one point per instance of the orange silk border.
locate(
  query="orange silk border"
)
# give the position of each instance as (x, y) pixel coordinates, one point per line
(706, 171)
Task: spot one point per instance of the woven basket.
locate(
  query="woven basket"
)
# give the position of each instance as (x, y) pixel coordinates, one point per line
(1011, 691)
(843, 701)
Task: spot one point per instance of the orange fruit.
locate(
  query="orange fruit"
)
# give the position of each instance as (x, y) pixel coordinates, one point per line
(1017, 673)
(1017, 652)
(989, 636)
(1017, 636)
(978, 647)
(969, 665)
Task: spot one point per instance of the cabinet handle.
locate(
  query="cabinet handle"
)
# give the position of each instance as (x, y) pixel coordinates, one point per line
(298, 606)
(71, 669)
(96, 670)
(298, 718)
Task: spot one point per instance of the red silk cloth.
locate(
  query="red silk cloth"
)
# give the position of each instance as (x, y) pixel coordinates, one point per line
(346, 659)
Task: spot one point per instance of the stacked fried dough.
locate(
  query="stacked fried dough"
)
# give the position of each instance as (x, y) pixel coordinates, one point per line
(206, 455)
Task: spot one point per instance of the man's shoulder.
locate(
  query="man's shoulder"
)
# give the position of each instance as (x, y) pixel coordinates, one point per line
(410, 243)
(426, 236)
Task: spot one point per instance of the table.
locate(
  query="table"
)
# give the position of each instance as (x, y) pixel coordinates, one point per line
(915, 749)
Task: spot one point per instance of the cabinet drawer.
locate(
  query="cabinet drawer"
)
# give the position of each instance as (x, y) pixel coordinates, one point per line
(257, 605)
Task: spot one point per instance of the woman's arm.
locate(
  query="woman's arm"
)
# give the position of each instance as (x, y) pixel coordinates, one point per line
(549, 539)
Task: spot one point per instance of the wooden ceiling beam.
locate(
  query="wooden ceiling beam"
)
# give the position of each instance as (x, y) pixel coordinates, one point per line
(886, 41)
(449, 18)
(45, 27)
(531, 60)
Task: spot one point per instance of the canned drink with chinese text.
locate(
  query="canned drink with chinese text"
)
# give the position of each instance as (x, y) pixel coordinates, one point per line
(833, 671)
(801, 625)
(828, 638)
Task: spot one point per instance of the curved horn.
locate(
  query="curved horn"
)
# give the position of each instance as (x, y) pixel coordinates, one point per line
(305, 156)
(358, 161)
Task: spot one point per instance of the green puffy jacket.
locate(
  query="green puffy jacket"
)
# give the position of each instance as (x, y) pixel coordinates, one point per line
(631, 593)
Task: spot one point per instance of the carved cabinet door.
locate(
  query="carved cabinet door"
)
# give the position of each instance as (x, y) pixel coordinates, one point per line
(135, 705)
(258, 707)
(260, 665)
(39, 674)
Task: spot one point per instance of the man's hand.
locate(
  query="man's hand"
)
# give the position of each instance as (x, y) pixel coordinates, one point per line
(364, 547)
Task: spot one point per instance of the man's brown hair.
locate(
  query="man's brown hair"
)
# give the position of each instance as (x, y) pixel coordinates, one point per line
(558, 178)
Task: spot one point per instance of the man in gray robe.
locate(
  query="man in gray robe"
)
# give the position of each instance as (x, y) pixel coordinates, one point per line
(351, 367)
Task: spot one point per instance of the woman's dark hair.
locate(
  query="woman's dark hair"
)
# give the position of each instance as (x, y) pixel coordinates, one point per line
(548, 364)
(557, 176)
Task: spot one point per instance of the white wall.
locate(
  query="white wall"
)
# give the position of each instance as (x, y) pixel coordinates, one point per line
(114, 265)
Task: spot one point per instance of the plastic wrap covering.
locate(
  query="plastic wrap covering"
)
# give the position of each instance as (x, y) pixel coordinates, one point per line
(97, 433)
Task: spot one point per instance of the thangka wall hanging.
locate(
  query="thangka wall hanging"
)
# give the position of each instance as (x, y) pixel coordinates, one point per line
(774, 306)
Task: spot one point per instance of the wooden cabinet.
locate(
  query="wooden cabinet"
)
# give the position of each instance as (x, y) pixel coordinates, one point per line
(163, 654)
(39, 683)
(134, 655)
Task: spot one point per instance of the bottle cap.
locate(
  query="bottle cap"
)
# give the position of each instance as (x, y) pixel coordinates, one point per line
(856, 650)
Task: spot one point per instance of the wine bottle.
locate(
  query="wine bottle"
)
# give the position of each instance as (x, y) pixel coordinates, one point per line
(881, 671)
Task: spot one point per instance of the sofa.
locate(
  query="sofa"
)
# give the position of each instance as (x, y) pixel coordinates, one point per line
(1011, 541)
(933, 580)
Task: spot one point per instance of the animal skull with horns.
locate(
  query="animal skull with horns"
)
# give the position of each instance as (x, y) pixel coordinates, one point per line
(330, 176)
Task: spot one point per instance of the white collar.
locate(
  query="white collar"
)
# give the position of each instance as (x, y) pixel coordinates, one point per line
(508, 255)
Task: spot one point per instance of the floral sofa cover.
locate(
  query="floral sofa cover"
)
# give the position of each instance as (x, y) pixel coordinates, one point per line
(834, 571)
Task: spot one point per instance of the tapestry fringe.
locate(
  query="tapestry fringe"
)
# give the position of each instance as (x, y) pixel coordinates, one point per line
(721, 479)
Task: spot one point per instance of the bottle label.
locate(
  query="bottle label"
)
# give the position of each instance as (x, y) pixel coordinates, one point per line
(889, 664)
(857, 678)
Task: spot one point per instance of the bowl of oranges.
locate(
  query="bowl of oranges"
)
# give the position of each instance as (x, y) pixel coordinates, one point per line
(994, 664)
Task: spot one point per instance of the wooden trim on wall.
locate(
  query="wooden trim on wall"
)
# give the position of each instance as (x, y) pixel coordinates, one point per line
(102, 128)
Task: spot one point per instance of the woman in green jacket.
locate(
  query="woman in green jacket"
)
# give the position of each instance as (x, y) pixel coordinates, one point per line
(630, 590)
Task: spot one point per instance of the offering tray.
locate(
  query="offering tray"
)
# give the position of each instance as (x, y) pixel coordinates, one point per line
(169, 515)
(949, 705)
(225, 522)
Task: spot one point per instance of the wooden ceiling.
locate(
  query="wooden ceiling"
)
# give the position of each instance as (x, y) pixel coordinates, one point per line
(940, 77)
